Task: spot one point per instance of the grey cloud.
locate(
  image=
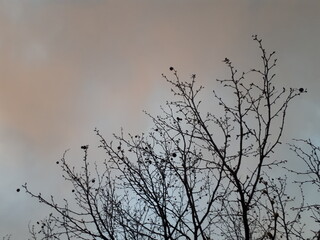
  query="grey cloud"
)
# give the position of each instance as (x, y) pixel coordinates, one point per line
(69, 66)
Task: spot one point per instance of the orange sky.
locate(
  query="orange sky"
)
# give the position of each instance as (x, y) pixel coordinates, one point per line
(69, 66)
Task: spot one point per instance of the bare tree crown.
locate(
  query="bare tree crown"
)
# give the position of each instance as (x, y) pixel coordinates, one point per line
(195, 175)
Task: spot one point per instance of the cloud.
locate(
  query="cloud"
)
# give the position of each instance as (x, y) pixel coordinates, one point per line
(69, 66)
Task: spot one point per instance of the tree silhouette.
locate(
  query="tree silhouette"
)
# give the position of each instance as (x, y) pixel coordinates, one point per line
(309, 177)
(196, 175)
(6, 237)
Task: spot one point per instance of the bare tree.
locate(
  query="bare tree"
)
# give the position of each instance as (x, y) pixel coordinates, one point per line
(309, 177)
(6, 237)
(197, 174)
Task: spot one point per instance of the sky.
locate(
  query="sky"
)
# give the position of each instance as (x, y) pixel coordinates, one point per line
(68, 66)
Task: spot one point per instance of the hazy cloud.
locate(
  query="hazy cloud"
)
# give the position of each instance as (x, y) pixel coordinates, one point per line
(69, 66)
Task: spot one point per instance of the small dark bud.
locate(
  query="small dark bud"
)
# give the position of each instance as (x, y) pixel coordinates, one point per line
(57, 162)
(18, 189)
(301, 90)
(171, 68)
(174, 154)
(226, 60)
(84, 147)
